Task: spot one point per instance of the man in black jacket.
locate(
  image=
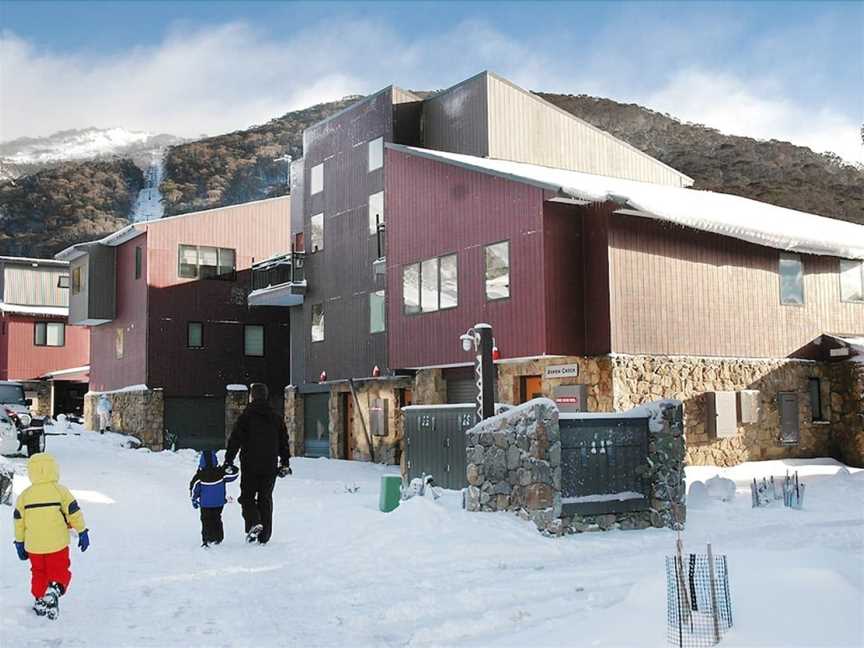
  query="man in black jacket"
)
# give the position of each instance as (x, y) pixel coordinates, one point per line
(261, 439)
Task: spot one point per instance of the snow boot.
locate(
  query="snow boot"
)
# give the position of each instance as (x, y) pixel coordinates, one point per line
(52, 600)
(254, 532)
(40, 607)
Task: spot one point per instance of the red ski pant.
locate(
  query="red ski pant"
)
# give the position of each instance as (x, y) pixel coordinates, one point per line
(49, 568)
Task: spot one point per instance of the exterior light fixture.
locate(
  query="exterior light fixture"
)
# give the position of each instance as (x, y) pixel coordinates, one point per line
(323, 377)
(479, 340)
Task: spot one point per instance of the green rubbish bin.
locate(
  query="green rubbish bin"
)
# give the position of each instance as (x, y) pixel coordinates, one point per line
(391, 492)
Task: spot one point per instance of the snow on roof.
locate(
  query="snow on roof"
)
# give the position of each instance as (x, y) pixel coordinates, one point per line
(31, 261)
(709, 211)
(56, 311)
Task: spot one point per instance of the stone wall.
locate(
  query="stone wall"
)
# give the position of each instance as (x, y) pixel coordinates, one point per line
(40, 391)
(640, 379)
(430, 388)
(138, 413)
(294, 420)
(596, 372)
(514, 464)
(847, 405)
(236, 400)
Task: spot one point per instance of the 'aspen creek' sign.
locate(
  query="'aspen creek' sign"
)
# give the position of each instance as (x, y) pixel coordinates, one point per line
(561, 371)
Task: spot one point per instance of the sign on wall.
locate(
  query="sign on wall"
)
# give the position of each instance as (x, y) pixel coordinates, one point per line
(571, 398)
(561, 371)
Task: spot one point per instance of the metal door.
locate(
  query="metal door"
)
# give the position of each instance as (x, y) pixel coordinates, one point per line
(787, 404)
(435, 444)
(599, 462)
(316, 424)
(197, 423)
(461, 385)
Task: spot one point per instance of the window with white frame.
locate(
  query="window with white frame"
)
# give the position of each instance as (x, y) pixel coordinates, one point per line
(791, 279)
(253, 340)
(205, 262)
(317, 322)
(376, 153)
(497, 258)
(851, 280)
(316, 179)
(430, 285)
(376, 211)
(377, 312)
(316, 240)
(52, 334)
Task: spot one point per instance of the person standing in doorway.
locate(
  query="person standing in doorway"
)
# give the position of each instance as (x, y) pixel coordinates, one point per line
(260, 436)
(103, 413)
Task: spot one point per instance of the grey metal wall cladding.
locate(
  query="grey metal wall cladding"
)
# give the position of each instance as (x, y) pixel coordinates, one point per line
(461, 385)
(316, 424)
(787, 404)
(604, 457)
(435, 444)
(197, 423)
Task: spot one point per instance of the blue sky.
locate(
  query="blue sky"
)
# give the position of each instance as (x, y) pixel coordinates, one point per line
(788, 70)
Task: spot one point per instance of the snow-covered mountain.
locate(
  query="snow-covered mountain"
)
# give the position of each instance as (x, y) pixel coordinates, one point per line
(29, 154)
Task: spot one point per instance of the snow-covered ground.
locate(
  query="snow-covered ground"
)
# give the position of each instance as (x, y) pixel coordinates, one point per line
(339, 573)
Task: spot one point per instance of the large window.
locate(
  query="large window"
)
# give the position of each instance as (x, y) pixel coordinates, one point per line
(815, 387)
(195, 335)
(376, 211)
(253, 340)
(377, 312)
(498, 270)
(52, 334)
(316, 179)
(791, 279)
(851, 280)
(430, 285)
(205, 262)
(317, 322)
(138, 261)
(376, 153)
(317, 238)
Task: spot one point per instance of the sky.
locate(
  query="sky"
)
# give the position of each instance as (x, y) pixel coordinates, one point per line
(784, 70)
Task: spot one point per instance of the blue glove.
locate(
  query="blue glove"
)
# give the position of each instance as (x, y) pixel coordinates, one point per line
(83, 540)
(22, 553)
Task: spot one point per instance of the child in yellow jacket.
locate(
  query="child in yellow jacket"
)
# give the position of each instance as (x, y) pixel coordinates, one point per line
(44, 513)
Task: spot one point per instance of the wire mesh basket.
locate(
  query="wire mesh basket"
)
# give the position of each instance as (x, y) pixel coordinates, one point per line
(699, 605)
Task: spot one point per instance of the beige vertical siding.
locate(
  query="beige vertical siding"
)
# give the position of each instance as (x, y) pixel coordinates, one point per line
(28, 286)
(525, 128)
(684, 292)
(456, 120)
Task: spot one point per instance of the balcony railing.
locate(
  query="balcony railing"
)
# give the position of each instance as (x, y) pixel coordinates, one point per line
(279, 281)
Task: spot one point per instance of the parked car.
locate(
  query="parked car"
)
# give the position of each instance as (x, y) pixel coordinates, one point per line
(28, 431)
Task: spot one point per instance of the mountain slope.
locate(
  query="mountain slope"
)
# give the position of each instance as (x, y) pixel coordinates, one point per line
(41, 214)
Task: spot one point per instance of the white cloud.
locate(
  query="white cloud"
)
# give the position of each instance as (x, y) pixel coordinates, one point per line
(755, 109)
(231, 76)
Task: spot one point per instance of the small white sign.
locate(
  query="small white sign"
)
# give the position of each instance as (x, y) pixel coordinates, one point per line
(839, 352)
(561, 371)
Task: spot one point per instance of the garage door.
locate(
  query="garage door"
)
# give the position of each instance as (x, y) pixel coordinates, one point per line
(197, 423)
(316, 425)
(461, 386)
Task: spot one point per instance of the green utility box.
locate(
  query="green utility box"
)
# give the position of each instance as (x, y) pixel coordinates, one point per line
(391, 492)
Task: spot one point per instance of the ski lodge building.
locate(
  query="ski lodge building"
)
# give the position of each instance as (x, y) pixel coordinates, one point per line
(606, 280)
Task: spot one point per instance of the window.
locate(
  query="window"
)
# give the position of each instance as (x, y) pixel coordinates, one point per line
(430, 285)
(411, 288)
(377, 312)
(791, 280)
(851, 280)
(376, 211)
(449, 290)
(317, 322)
(76, 280)
(376, 153)
(815, 387)
(206, 262)
(63, 281)
(316, 179)
(138, 262)
(317, 238)
(195, 335)
(498, 270)
(52, 334)
(253, 340)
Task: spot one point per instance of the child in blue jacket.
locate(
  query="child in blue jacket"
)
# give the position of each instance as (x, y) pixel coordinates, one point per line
(207, 490)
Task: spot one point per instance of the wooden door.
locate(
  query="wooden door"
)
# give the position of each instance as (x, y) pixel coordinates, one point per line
(529, 387)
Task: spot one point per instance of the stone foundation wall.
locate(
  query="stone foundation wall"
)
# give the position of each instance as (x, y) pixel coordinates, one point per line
(430, 388)
(294, 421)
(138, 413)
(236, 400)
(640, 379)
(40, 391)
(514, 464)
(596, 372)
(847, 404)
